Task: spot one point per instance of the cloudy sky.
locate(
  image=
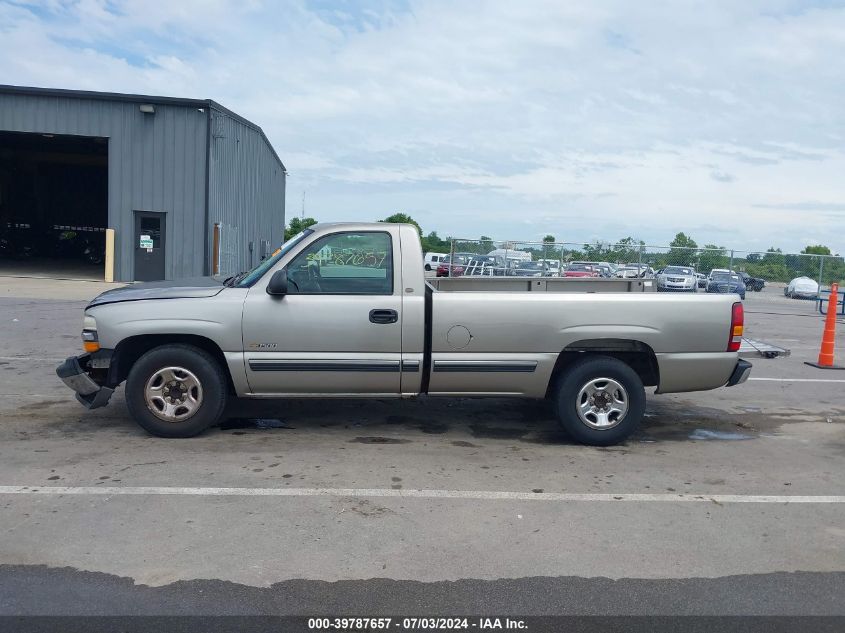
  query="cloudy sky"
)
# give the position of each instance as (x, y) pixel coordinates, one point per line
(587, 120)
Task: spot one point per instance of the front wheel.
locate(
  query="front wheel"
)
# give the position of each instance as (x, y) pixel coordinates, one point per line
(600, 401)
(176, 391)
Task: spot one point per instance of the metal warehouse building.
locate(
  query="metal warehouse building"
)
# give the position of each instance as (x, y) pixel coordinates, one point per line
(189, 187)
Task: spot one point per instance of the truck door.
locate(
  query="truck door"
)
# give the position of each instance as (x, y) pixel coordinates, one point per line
(338, 330)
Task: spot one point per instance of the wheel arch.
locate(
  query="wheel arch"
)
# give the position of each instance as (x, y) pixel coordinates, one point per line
(638, 355)
(130, 349)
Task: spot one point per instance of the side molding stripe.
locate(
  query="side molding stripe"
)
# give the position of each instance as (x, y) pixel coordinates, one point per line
(305, 365)
(485, 366)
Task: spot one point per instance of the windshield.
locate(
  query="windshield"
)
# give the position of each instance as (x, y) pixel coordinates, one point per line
(676, 270)
(583, 267)
(723, 277)
(256, 273)
(531, 265)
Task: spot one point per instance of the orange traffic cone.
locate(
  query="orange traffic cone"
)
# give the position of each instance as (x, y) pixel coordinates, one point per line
(829, 336)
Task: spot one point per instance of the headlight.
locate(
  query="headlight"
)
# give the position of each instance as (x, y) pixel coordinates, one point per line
(90, 340)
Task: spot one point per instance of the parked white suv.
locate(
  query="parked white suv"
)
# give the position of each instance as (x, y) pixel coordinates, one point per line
(432, 260)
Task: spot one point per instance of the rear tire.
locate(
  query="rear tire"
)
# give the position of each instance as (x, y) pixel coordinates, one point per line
(600, 401)
(176, 391)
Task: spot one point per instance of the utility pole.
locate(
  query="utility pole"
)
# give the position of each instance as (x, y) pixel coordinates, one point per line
(303, 204)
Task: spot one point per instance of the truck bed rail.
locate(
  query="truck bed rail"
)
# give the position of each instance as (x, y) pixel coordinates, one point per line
(539, 284)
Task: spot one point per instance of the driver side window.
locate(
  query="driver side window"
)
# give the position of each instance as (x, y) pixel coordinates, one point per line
(356, 263)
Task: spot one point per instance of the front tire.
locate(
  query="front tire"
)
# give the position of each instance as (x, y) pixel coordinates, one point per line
(600, 401)
(176, 391)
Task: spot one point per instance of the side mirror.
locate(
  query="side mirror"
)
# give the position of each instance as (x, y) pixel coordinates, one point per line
(278, 286)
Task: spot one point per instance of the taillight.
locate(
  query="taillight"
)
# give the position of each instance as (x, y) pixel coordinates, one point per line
(737, 325)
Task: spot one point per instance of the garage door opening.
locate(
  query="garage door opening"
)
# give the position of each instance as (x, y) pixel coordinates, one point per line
(53, 205)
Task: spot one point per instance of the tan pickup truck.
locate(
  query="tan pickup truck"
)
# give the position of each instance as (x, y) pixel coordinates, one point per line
(344, 310)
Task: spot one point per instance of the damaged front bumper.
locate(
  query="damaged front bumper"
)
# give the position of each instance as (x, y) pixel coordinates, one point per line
(74, 372)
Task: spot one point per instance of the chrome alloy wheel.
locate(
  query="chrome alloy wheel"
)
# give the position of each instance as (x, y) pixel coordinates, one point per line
(602, 403)
(173, 394)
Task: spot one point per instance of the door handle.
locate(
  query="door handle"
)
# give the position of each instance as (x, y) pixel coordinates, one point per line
(383, 316)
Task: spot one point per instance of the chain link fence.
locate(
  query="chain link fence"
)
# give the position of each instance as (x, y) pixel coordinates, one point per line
(769, 273)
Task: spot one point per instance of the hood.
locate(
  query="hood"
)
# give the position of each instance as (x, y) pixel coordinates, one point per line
(194, 287)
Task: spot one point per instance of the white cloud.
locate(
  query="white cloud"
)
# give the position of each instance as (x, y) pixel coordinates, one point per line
(581, 119)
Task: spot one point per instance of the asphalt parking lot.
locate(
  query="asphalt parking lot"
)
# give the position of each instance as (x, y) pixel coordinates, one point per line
(726, 502)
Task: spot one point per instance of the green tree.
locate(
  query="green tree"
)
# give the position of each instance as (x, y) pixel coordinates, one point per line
(774, 256)
(402, 218)
(683, 251)
(297, 225)
(818, 249)
(683, 241)
(594, 252)
(433, 243)
(486, 244)
(626, 250)
(712, 256)
(549, 251)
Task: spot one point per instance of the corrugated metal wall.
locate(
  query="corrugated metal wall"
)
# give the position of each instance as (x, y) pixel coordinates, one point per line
(157, 162)
(246, 193)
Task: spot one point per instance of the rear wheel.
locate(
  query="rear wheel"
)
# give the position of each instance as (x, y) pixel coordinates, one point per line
(600, 401)
(176, 391)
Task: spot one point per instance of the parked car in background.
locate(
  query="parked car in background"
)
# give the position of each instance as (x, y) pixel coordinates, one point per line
(457, 267)
(718, 270)
(726, 282)
(632, 271)
(576, 269)
(702, 280)
(677, 279)
(513, 262)
(510, 254)
(752, 283)
(802, 288)
(432, 260)
(604, 269)
(554, 266)
(532, 269)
